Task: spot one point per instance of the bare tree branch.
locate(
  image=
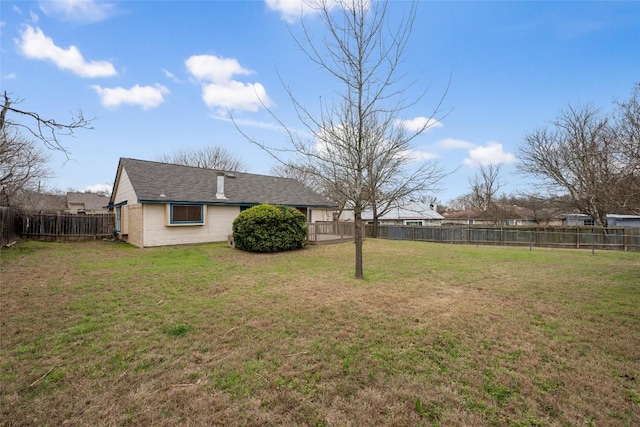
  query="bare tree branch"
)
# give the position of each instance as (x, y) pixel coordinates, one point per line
(209, 157)
(591, 157)
(355, 149)
(48, 131)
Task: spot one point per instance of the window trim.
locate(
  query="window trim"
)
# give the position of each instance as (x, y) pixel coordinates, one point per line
(172, 223)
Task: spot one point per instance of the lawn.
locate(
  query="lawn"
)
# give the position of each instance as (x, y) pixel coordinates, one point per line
(101, 333)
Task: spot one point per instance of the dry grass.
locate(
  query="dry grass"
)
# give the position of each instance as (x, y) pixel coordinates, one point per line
(105, 334)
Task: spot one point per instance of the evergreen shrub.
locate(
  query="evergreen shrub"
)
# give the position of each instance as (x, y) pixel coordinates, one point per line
(269, 228)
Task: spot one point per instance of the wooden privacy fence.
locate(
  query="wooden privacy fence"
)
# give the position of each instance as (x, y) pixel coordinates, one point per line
(8, 226)
(626, 239)
(61, 227)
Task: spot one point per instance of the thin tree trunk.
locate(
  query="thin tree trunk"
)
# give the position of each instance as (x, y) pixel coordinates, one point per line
(358, 243)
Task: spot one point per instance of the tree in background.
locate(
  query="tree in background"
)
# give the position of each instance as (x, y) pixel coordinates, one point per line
(23, 163)
(358, 149)
(208, 157)
(626, 119)
(23, 166)
(485, 186)
(591, 157)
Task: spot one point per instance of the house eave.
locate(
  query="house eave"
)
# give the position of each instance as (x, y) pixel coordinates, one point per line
(230, 203)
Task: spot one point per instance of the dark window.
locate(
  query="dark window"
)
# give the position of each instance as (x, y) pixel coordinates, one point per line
(191, 214)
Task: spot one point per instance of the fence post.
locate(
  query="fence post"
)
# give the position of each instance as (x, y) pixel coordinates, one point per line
(624, 239)
(58, 226)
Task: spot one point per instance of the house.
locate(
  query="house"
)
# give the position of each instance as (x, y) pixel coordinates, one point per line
(160, 204)
(514, 216)
(409, 214)
(613, 220)
(34, 201)
(89, 203)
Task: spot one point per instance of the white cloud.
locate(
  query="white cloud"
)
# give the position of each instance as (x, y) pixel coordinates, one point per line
(35, 44)
(168, 74)
(88, 11)
(291, 10)
(145, 96)
(98, 188)
(34, 18)
(251, 123)
(214, 69)
(419, 123)
(492, 153)
(234, 95)
(419, 156)
(454, 144)
(220, 90)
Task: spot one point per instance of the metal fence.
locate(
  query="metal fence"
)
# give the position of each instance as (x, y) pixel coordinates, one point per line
(8, 226)
(626, 239)
(61, 227)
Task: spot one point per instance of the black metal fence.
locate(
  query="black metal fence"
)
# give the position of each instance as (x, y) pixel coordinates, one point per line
(626, 239)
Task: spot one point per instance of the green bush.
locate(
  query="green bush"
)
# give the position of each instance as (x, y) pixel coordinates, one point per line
(268, 228)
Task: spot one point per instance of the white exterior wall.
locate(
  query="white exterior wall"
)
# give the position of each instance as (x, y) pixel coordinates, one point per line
(125, 193)
(217, 226)
(321, 215)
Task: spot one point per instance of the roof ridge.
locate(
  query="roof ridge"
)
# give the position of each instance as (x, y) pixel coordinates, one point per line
(207, 169)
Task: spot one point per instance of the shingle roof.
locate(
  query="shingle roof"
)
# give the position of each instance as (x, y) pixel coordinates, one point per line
(409, 211)
(91, 201)
(190, 184)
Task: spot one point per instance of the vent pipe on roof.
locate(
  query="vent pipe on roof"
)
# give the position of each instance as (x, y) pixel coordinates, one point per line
(220, 186)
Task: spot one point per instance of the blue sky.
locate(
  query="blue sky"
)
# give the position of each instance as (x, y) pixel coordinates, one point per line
(161, 75)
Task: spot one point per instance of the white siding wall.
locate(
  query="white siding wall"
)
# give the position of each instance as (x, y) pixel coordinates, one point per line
(125, 193)
(318, 215)
(217, 226)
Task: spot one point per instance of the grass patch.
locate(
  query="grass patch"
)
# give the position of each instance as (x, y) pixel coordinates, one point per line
(207, 335)
(178, 330)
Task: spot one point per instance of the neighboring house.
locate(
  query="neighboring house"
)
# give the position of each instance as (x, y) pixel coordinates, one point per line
(160, 204)
(515, 216)
(89, 203)
(410, 214)
(614, 220)
(35, 202)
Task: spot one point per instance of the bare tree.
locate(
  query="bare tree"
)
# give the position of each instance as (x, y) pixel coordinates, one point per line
(308, 177)
(485, 186)
(208, 157)
(543, 208)
(584, 155)
(358, 148)
(392, 180)
(23, 165)
(47, 131)
(626, 129)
